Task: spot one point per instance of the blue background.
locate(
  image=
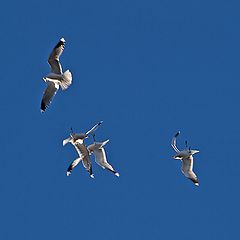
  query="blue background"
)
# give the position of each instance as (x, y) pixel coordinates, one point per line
(147, 69)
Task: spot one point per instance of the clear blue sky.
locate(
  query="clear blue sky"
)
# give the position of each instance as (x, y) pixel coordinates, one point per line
(147, 69)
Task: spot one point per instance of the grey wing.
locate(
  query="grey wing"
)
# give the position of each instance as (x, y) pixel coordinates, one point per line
(101, 160)
(81, 149)
(94, 128)
(88, 165)
(48, 95)
(100, 157)
(84, 154)
(173, 142)
(187, 169)
(73, 165)
(53, 59)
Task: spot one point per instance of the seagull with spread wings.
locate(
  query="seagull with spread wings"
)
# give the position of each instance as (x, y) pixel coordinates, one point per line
(100, 156)
(77, 140)
(56, 77)
(186, 156)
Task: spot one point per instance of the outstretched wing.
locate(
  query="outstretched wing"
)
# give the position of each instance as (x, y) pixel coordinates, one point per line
(173, 143)
(88, 165)
(94, 128)
(73, 165)
(48, 95)
(53, 59)
(67, 140)
(101, 160)
(84, 154)
(187, 169)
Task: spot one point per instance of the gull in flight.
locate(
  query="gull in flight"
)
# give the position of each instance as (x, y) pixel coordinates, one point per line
(77, 141)
(56, 77)
(100, 156)
(186, 156)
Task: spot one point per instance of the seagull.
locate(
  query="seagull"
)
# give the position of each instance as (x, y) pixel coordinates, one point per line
(100, 156)
(186, 156)
(56, 77)
(77, 141)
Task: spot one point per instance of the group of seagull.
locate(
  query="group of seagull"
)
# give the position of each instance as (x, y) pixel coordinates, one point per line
(57, 78)
(77, 140)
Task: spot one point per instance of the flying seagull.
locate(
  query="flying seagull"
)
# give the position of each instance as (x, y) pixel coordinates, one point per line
(56, 77)
(186, 156)
(100, 156)
(77, 140)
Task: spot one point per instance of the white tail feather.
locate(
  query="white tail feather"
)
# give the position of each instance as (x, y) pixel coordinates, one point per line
(67, 80)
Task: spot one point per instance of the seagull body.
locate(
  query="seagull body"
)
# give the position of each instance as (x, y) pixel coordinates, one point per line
(186, 156)
(56, 77)
(100, 156)
(77, 140)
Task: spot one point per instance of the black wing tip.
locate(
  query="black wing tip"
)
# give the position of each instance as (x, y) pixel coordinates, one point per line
(43, 107)
(60, 43)
(195, 181)
(177, 134)
(99, 123)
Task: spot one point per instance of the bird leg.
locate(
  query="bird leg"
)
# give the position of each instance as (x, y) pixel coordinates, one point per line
(93, 135)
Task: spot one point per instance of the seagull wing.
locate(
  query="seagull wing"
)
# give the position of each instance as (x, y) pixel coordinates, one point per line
(173, 143)
(48, 95)
(187, 169)
(73, 165)
(101, 160)
(94, 128)
(88, 165)
(84, 154)
(53, 59)
(67, 140)
(81, 149)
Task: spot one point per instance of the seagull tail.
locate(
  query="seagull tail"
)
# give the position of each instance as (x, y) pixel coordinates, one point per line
(67, 80)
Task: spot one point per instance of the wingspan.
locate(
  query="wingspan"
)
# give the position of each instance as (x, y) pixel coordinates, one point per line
(53, 59)
(48, 95)
(94, 128)
(173, 143)
(187, 169)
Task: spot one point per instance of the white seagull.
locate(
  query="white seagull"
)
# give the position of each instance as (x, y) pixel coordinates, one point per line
(100, 156)
(84, 156)
(56, 77)
(186, 156)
